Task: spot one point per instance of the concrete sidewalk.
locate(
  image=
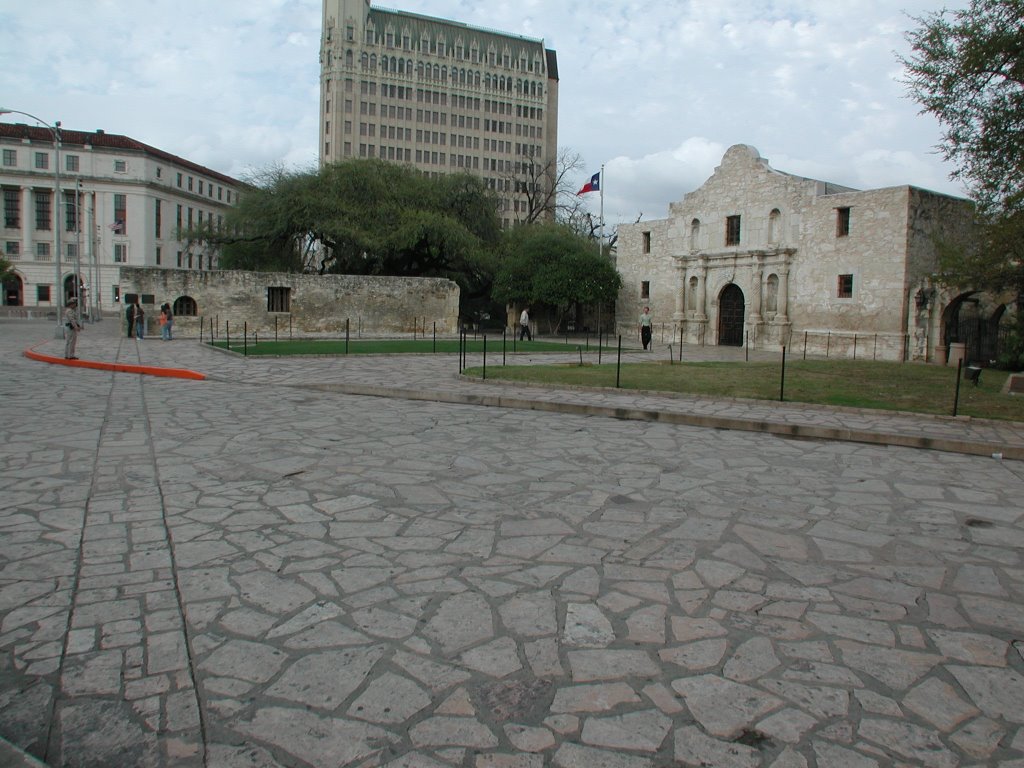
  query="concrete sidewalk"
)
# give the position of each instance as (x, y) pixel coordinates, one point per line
(247, 572)
(435, 378)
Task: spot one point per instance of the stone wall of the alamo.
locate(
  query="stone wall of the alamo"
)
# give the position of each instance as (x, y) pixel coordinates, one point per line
(316, 304)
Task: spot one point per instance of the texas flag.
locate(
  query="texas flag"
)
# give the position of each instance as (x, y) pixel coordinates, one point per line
(594, 185)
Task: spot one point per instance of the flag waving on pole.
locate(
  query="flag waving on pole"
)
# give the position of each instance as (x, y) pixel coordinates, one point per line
(594, 185)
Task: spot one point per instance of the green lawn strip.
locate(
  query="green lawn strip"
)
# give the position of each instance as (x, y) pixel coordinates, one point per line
(856, 384)
(396, 346)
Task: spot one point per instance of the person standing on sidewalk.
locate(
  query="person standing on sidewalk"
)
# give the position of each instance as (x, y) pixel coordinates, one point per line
(139, 316)
(167, 324)
(524, 325)
(645, 327)
(71, 329)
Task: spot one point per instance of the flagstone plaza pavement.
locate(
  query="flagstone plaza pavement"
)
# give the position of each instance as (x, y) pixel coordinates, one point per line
(276, 566)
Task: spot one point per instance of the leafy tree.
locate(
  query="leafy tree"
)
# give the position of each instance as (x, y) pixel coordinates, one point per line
(550, 264)
(6, 270)
(967, 69)
(366, 217)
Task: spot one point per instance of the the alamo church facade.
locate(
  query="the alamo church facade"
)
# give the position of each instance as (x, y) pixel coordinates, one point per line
(760, 257)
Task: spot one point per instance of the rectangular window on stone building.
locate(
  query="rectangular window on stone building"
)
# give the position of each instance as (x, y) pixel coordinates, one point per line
(842, 222)
(42, 293)
(279, 299)
(732, 230)
(42, 161)
(42, 198)
(645, 289)
(71, 163)
(844, 287)
(12, 208)
(120, 253)
(646, 237)
(10, 158)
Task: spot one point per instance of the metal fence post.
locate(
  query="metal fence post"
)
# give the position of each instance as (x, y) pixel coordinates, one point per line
(782, 383)
(245, 339)
(347, 329)
(503, 347)
(485, 357)
(956, 397)
(618, 364)
(805, 345)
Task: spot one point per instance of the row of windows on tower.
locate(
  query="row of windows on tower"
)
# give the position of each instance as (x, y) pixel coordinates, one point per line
(391, 38)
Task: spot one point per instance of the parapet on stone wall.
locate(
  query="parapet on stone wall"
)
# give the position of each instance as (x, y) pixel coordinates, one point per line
(307, 304)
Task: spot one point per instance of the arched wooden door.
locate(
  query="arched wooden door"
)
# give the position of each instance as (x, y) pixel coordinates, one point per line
(731, 307)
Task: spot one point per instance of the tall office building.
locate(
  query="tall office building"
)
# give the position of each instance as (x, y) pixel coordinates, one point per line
(441, 96)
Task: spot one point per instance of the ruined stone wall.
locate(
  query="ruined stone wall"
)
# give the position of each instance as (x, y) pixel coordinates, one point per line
(316, 304)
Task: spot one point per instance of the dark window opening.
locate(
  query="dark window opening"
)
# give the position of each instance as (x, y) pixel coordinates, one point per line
(647, 242)
(844, 289)
(279, 299)
(645, 289)
(732, 230)
(185, 306)
(842, 222)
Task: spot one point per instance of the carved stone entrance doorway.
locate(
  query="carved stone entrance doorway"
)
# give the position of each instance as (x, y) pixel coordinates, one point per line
(731, 307)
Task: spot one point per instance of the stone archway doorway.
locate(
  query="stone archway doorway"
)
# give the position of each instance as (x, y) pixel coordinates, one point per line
(731, 309)
(14, 291)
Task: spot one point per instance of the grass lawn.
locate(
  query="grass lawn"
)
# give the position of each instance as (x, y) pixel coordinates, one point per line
(858, 384)
(395, 346)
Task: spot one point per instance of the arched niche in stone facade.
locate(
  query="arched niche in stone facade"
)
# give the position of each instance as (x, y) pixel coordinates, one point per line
(774, 226)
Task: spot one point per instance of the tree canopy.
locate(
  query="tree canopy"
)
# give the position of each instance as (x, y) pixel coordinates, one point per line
(550, 264)
(967, 69)
(365, 217)
(6, 270)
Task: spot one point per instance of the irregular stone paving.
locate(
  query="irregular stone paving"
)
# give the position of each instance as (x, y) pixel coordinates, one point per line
(221, 574)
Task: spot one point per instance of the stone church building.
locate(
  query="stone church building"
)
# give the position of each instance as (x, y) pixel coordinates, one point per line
(761, 257)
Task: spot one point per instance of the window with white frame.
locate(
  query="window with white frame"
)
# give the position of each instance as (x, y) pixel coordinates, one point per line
(120, 166)
(10, 157)
(120, 253)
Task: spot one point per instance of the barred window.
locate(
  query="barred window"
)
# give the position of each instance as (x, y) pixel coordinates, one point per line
(279, 299)
(732, 230)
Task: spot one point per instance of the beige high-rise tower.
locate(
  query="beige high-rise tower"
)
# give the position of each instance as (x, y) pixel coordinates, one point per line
(443, 97)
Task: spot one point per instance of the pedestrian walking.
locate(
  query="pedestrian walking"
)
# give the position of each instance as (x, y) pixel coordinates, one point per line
(166, 322)
(524, 325)
(71, 329)
(129, 318)
(645, 327)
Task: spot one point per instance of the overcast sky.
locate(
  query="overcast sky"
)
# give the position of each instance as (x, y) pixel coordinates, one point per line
(656, 90)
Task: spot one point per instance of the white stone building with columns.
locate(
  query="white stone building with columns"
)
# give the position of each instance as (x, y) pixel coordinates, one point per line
(761, 257)
(122, 203)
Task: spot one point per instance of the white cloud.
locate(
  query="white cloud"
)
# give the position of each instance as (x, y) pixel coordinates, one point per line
(654, 89)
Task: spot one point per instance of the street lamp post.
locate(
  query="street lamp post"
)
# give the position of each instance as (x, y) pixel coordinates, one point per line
(55, 132)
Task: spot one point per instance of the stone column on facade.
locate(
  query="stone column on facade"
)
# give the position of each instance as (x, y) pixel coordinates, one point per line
(702, 290)
(680, 312)
(757, 281)
(782, 305)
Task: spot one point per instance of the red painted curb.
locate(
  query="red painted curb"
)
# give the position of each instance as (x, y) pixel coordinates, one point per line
(145, 370)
